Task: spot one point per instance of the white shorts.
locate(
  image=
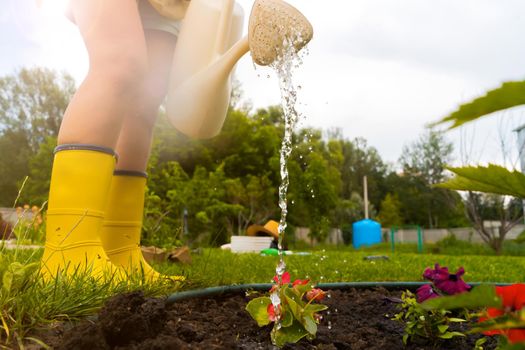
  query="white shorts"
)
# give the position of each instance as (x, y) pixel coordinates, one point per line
(151, 19)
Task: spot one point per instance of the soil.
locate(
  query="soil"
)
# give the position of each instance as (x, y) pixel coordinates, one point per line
(356, 319)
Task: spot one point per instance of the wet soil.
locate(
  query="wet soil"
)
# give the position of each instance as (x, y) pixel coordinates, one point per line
(356, 319)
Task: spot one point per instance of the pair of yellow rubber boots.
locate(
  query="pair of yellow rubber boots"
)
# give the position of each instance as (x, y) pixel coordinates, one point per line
(94, 217)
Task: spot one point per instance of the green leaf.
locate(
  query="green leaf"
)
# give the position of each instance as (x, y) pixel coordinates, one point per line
(313, 308)
(309, 324)
(491, 179)
(449, 335)
(302, 288)
(442, 328)
(287, 319)
(481, 296)
(506, 321)
(7, 281)
(291, 334)
(293, 303)
(258, 310)
(509, 94)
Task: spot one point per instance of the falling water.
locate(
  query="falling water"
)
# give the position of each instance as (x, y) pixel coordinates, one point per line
(284, 66)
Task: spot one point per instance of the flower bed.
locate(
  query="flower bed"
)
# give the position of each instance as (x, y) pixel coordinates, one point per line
(355, 319)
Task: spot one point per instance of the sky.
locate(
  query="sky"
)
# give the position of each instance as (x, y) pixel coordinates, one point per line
(377, 69)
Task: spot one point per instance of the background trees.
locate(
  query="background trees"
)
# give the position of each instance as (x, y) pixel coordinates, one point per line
(206, 190)
(32, 102)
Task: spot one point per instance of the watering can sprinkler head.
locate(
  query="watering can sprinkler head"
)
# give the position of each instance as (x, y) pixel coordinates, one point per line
(205, 55)
(273, 23)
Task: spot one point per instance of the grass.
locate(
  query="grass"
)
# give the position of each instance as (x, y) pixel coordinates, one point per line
(214, 267)
(28, 303)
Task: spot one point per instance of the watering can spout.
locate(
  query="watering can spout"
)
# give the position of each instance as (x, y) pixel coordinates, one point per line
(209, 46)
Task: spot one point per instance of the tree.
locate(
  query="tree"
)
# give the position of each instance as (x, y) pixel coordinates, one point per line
(482, 207)
(427, 157)
(390, 213)
(34, 100)
(32, 103)
(423, 163)
(14, 167)
(361, 160)
(36, 189)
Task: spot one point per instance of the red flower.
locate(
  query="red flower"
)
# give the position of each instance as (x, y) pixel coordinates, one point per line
(315, 294)
(513, 300)
(299, 282)
(271, 312)
(285, 278)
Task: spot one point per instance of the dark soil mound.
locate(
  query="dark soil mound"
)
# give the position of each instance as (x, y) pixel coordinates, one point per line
(356, 319)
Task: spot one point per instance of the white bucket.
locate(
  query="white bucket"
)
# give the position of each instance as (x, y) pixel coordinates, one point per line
(245, 244)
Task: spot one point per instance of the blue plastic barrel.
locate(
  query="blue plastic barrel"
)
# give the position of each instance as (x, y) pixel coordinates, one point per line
(366, 232)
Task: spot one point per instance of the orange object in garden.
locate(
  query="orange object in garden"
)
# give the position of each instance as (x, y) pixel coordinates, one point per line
(271, 228)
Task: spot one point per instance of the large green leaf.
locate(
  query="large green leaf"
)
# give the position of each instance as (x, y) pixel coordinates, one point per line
(290, 334)
(490, 179)
(258, 310)
(481, 296)
(509, 94)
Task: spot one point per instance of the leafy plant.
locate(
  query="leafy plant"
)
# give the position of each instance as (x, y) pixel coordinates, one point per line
(504, 314)
(292, 308)
(509, 94)
(419, 322)
(489, 179)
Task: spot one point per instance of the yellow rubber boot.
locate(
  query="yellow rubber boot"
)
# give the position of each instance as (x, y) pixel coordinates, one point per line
(80, 181)
(122, 226)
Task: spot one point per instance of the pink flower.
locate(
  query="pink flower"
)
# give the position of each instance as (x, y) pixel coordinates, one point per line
(446, 282)
(425, 292)
(315, 294)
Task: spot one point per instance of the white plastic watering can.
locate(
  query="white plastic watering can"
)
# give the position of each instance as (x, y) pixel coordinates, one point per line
(209, 46)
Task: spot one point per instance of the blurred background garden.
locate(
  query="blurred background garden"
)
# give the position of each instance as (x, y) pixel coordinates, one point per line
(201, 192)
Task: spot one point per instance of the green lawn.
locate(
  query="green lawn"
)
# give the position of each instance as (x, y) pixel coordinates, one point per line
(215, 267)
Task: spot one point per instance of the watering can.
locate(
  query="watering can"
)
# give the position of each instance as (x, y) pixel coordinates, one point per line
(210, 44)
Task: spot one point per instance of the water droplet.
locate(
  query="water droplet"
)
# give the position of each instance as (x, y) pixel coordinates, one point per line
(276, 300)
(268, 76)
(281, 268)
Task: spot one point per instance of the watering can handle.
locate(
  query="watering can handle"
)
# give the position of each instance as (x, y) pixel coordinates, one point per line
(223, 32)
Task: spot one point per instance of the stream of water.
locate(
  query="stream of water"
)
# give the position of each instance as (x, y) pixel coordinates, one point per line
(284, 67)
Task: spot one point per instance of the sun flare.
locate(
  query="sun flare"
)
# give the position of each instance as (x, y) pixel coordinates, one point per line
(53, 8)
